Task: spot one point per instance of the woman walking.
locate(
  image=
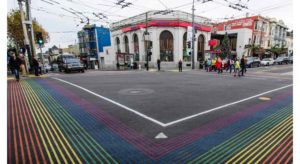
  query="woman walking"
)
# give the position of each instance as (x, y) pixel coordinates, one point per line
(15, 65)
(237, 68)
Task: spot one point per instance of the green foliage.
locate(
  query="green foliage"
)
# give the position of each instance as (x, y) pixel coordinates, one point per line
(15, 31)
(226, 50)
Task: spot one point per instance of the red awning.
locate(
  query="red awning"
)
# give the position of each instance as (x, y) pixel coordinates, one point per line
(213, 51)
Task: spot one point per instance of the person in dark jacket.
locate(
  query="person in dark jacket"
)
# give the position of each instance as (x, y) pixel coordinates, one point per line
(36, 66)
(15, 65)
(180, 65)
(243, 65)
(158, 64)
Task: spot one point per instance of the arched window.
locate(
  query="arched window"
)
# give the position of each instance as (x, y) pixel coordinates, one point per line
(126, 44)
(166, 46)
(200, 52)
(118, 45)
(186, 56)
(136, 47)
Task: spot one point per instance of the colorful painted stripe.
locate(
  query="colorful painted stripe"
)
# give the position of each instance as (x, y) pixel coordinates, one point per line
(49, 124)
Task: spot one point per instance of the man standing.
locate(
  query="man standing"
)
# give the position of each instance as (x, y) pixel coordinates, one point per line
(15, 65)
(243, 64)
(180, 65)
(158, 64)
(36, 66)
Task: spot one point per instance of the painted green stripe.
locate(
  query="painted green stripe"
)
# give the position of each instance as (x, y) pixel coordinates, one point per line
(49, 108)
(223, 147)
(48, 99)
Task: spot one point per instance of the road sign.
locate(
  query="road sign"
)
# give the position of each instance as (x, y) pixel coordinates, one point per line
(27, 22)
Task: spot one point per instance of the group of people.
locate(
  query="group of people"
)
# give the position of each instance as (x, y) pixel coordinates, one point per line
(218, 65)
(18, 63)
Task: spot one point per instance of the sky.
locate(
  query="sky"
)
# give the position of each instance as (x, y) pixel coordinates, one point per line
(58, 18)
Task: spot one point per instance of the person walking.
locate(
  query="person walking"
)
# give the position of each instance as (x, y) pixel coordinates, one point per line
(15, 65)
(36, 66)
(205, 64)
(213, 64)
(229, 65)
(246, 61)
(243, 65)
(219, 65)
(208, 66)
(180, 65)
(22, 58)
(237, 68)
(158, 64)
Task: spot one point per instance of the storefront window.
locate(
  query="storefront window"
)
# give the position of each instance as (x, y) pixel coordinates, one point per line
(166, 46)
(186, 57)
(136, 47)
(118, 45)
(126, 44)
(200, 52)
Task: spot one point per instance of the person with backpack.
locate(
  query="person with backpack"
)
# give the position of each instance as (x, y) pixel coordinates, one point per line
(15, 63)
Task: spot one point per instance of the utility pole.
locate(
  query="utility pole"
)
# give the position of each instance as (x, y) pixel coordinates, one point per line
(25, 32)
(28, 9)
(193, 35)
(146, 46)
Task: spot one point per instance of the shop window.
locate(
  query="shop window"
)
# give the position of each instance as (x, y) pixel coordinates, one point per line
(126, 44)
(186, 57)
(136, 47)
(166, 46)
(200, 52)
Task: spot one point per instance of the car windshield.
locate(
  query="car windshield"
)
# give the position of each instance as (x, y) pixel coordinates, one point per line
(266, 59)
(72, 60)
(279, 58)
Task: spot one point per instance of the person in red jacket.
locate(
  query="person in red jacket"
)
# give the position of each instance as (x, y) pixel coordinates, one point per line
(219, 65)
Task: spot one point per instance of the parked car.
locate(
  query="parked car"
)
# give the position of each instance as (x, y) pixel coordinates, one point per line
(253, 62)
(54, 67)
(267, 61)
(281, 60)
(47, 67)
(291, 59)
(72, 64)
(61, 61)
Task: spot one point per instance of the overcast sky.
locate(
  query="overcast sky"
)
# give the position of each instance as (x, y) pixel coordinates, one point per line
(55, 15)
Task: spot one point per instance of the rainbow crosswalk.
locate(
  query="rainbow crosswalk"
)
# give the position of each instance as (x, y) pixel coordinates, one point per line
(49, 124)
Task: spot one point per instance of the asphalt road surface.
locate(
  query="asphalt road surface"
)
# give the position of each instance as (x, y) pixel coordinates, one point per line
(165, 110)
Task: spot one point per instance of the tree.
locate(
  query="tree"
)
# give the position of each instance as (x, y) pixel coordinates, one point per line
(226, 47)
(15, 31)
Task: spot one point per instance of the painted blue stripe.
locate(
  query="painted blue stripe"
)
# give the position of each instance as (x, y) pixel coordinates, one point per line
(99, 129)
(197, 148)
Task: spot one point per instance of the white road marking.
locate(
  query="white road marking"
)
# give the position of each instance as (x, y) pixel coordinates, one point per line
(114, 102)
(161, 135)
(287, 73)
(176, 121)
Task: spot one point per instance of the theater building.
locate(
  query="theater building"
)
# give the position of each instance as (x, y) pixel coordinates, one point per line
(167, 39)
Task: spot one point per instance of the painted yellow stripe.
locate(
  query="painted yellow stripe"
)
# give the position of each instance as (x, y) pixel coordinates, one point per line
(29, 92)
(272, 148)
(257, 141)
(271, 138)
(37, 125)
(46, 113)
(36, 76)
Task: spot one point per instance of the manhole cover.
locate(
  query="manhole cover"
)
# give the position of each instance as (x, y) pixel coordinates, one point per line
(135, 91)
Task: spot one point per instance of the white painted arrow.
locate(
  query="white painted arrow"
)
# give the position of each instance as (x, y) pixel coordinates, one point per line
(161, 135)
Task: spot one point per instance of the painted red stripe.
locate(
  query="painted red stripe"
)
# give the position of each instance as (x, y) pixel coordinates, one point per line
(285, 154)
(22, 123)
(282, 151)
(277, 149)
(34, 130)
(8, 120)
(22, 111)
(18, 125)
(289, 158)
(14, 130)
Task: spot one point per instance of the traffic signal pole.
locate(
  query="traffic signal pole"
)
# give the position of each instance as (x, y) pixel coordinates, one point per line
(193, 35)
(28, 9)
(146, 48)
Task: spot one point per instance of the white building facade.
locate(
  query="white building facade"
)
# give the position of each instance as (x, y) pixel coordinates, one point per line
(167, 39)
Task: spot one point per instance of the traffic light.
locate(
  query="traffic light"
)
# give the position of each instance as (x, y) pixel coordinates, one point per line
(189, 45)
(39, 38)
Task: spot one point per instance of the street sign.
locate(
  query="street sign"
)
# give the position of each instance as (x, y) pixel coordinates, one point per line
(27, 22)
(189, 34)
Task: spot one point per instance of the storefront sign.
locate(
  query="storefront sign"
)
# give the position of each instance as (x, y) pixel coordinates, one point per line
(212, 42)
(165, 23)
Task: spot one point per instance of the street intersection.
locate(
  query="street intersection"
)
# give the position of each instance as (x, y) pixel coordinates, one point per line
(152, 117)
